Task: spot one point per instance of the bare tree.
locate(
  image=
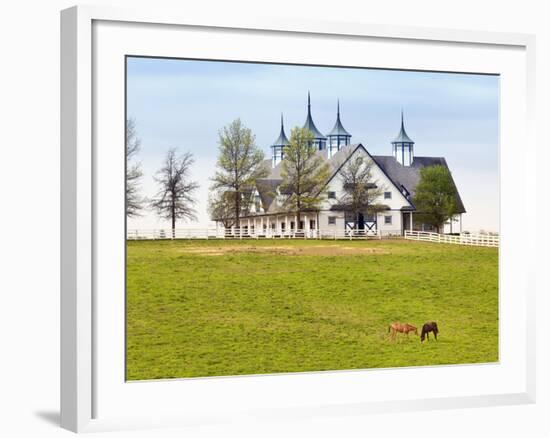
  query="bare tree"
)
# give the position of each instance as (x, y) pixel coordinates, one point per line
(134, 201)
(240, 164)
(304, 174)
(175, 198)
(360, 191)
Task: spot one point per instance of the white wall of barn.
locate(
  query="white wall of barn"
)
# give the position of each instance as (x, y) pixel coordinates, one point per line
(395, 202)
(395, 226)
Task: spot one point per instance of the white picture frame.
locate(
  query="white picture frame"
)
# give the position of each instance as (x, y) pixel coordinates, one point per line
(84, 381)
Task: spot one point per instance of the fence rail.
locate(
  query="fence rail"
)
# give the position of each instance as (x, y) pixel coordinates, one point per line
(462, 239)
(243, 233)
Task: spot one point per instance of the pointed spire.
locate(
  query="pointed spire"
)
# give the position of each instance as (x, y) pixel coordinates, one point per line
(309, 121)
(282, 140)
(402, 137)
(338, 127)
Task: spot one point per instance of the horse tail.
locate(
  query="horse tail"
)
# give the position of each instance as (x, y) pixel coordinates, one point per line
(389, 328)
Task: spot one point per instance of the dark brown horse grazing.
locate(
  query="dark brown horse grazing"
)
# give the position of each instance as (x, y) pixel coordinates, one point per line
(427, 328)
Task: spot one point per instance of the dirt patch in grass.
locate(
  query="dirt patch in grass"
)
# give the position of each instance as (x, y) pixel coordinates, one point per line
(317, 250)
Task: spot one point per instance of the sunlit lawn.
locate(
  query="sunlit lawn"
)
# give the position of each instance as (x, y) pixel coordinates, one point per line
(211, 308)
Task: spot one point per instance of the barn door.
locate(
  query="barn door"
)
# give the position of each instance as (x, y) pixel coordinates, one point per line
(370, 224)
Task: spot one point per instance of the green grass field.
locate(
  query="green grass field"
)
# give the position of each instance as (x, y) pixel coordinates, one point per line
(213, 308)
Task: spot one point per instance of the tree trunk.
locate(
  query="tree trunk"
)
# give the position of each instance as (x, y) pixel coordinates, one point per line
(173, 222)
(237, 210)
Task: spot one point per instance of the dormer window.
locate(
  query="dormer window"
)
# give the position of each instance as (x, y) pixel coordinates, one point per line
(331, 195)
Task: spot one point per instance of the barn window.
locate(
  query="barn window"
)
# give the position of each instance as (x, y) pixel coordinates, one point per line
(370, 217)
(387, 195)
(332, 220)
(331, 195)
(387, 219)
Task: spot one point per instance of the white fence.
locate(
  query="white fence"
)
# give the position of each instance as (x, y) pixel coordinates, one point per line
(243, 233)
(462, 239)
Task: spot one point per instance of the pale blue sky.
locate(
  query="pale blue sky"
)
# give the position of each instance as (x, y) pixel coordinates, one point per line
(183, 104)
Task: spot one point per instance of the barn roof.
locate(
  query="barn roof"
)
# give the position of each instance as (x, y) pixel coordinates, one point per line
(406, 177)
(267, 189)
(409, 176)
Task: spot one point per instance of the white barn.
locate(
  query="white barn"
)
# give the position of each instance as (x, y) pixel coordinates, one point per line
(398, 175)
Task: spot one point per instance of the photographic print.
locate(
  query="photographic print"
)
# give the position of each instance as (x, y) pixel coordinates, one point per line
(295, 218)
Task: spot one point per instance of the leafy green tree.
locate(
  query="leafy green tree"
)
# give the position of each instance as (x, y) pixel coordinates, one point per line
(360, 191)
(436, 197)
(240, 164)
(304, 174)
(175, 198)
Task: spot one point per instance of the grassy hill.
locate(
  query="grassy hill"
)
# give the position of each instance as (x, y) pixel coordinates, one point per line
(211, 308)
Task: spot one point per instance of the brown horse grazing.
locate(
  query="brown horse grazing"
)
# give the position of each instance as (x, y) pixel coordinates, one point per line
(396, 327)
(427, 328)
